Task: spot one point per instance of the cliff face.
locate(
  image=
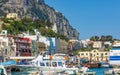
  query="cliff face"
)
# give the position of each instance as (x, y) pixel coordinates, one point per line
(37, 9)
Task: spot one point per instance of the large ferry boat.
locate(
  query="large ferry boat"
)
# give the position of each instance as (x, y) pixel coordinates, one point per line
(114, 60)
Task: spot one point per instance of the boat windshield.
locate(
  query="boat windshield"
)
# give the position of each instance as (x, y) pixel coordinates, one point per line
(54, 64)
(48, 64)
(60, 64)
(42, 64)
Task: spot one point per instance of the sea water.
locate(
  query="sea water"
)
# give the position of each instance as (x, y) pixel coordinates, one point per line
(20, 73)
(99, 71)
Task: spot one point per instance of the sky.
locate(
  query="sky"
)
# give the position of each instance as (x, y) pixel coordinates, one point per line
(91, 17)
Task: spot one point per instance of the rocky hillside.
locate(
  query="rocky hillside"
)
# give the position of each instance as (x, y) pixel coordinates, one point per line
(37, 9)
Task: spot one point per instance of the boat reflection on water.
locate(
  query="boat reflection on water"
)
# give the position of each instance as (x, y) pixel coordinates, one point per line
(24, 70)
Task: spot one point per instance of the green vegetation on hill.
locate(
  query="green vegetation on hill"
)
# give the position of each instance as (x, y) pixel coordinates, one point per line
(15, 27)
(102, 38)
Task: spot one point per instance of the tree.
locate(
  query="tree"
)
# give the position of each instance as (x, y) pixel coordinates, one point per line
(27, 24)
(109, 38)
(27, 20)
(94, 38)
(103, 38)
(106, 45)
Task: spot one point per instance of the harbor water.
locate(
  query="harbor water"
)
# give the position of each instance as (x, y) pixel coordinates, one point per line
(99, 71)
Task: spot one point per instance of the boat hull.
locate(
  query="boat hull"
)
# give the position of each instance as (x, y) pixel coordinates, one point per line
(45, 69)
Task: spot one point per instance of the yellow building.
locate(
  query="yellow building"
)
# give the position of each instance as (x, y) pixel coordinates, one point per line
(116, 42)
(94, 55)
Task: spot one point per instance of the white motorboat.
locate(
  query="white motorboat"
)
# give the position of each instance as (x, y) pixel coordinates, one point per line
(105, 65)
(56, 66)
(49, 66)
(114, 56)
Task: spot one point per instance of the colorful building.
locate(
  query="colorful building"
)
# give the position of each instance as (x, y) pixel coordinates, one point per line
(23, 46)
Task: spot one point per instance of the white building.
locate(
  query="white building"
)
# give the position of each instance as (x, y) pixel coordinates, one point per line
(108, 43)
(97, 44)
(39, 38)
(12, 15)
(7, 46)
(84, 43)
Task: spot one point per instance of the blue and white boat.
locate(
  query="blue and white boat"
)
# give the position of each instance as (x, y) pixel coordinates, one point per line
(114, 57)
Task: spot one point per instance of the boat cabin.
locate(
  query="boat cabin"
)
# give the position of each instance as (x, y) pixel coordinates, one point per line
(52, 63)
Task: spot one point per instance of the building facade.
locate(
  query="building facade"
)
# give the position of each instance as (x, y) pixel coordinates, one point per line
(94, 55)
(12, 15)
(7, 46)
(97, 44)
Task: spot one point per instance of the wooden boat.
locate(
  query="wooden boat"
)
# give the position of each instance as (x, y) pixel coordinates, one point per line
(93, 65)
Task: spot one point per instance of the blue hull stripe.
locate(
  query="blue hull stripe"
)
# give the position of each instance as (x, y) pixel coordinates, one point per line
(114, 58)
(115, 48)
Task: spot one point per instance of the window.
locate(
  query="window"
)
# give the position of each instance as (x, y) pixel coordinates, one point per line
(6, 51)
(106, 54)
(54, 64)
(4, 43)
(90, 54)
(97, 53)
(86, 53)
(42, 64)
(82, 53)
(48, 64)
(59, 63)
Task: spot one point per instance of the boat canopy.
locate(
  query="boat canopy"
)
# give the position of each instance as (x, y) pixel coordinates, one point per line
(22, 57)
